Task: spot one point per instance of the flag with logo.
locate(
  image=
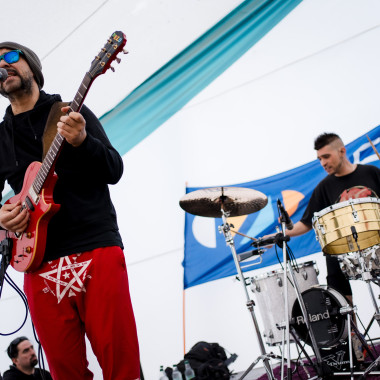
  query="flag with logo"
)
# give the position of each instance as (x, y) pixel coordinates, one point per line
(207, 256)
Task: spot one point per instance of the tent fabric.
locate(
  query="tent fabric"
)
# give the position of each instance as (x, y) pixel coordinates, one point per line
(171, 87)
(208, 258)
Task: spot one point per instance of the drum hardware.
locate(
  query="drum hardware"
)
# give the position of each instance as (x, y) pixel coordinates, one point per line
(349, 311)
(284, 219)
(250, 303)
(281, 240)
(367, 277)
(282, 327)
(321, 369)
(352, 228)
(246, 255)
(224, 202)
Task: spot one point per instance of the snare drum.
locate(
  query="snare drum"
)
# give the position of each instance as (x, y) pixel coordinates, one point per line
(335, 225)
(269, 293)
(328, 324)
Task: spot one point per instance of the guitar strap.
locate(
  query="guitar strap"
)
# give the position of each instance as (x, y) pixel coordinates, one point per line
(51, 125)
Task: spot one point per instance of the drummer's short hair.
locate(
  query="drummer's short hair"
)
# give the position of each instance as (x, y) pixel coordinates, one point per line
(325, 139)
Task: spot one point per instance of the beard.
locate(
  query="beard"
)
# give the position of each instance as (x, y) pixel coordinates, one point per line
(25, 86)
(34, 362)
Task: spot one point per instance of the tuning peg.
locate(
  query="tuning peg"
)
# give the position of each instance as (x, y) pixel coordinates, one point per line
(118, 60)
(112, 68)
(125, 51)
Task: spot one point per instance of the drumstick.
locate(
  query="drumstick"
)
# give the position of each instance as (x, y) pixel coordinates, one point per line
(373, 147)
(239, 233)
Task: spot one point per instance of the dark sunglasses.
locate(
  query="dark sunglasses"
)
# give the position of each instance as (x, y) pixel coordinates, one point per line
(11, 56)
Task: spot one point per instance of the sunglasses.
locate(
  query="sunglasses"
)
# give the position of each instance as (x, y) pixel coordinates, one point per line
(11, 56)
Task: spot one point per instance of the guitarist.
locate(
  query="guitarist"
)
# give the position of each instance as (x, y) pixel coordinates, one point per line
(82, 285)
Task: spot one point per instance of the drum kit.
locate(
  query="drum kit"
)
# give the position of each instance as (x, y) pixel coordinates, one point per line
(294, 307)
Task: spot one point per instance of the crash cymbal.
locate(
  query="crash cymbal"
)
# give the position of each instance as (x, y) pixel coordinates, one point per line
(235, 200)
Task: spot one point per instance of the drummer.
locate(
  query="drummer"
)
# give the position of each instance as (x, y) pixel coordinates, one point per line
(345, 180)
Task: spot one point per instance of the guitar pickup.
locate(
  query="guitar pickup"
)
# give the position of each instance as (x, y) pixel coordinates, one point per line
(29, 204)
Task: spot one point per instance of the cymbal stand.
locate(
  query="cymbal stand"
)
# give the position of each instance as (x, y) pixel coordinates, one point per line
(287, 264)
(225, 229)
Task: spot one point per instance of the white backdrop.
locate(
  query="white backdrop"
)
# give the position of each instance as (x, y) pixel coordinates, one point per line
(317, 71)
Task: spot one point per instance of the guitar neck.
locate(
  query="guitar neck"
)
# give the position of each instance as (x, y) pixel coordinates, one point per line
(48, 164)
(99, 65)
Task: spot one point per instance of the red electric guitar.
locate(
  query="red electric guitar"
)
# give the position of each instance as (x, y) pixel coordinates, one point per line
(28, 247)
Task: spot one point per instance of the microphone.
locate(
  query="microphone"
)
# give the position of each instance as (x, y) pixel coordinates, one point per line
(285, 215)
(3, 74)
(270, 240)
(261, 242)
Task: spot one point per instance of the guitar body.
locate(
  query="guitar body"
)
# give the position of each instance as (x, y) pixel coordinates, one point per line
(28, 248)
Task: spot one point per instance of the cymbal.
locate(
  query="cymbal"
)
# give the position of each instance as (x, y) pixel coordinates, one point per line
(234, 200)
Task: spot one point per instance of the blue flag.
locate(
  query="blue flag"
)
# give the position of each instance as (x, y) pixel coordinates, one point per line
(207, 256)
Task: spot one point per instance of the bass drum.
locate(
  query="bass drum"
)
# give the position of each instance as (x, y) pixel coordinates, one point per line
(322, 304)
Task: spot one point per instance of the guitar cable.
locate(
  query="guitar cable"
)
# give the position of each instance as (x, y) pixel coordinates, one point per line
(23, 297)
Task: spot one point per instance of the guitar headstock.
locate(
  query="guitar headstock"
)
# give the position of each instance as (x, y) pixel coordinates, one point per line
(108, 54)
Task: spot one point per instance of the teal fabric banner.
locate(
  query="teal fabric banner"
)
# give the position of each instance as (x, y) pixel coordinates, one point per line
(176, 83)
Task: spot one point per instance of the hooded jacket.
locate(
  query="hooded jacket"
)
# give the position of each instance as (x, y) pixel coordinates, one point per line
(87, 217)
(14, 374)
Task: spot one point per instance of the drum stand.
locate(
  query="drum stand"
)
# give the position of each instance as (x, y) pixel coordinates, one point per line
(349, 311)
(367, 277)
(225, 228)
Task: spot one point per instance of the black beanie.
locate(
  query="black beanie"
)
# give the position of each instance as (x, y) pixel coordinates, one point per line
(31, 57)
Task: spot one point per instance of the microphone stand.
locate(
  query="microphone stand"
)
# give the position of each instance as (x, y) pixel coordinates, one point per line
(287, 264)
(287, 325)
(6, 255)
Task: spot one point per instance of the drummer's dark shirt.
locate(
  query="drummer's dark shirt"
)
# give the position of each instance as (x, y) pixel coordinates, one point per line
(331, 190)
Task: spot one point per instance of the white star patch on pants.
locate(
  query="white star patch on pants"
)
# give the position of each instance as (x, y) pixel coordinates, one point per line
(66, 277)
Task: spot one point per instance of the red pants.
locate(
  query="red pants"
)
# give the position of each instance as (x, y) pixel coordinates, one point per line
(82, 294)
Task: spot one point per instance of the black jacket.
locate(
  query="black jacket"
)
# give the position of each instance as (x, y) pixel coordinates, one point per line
(14, 374)
(87, 218)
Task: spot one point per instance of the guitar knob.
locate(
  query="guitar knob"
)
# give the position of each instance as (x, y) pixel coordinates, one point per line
(125, 51)
(29, 235)
(118, 60)
(28, 249)
(112, 68)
